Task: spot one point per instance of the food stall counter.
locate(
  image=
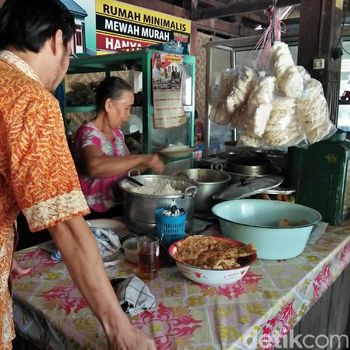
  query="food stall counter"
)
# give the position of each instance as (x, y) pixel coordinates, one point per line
(255, 312)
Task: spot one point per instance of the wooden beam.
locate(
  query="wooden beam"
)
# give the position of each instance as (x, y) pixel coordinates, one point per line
(237, 7)
(232, 27)
(226, 28)
(257, 17)
(190, 5)
(260, 18)
(193, 42)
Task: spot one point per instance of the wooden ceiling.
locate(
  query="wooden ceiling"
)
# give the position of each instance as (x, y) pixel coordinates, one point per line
(232, 18)
(238, 17)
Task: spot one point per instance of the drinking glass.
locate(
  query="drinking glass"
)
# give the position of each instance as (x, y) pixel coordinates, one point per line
(148, 250)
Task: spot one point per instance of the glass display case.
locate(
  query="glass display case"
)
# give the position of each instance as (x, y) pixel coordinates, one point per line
(136, 68)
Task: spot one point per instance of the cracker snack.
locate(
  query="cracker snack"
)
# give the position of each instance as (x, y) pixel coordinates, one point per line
(212, 252)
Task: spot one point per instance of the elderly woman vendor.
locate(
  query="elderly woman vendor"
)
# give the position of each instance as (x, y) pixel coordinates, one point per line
(103, 158)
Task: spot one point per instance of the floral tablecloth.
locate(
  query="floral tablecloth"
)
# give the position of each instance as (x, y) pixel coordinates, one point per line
(255, 312)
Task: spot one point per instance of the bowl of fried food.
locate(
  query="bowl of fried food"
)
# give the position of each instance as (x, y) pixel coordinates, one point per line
(278, 229)
(213, 261)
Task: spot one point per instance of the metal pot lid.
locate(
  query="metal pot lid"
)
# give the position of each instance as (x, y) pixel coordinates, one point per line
(249, 187)
(279, 190)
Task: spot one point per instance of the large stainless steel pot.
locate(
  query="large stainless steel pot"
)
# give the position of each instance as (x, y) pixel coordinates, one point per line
(139, 209)
(209, 182)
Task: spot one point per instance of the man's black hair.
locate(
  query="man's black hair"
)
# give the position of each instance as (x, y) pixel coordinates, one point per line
(26, 25)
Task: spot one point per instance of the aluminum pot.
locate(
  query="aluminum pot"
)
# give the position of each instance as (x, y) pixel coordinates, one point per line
(249, 167)
(209, 182)
(139, 209)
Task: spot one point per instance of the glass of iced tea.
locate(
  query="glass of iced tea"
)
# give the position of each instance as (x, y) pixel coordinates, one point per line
(148, 250)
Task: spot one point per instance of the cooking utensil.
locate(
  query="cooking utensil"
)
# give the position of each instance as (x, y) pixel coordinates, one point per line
(257, 221)
(130, 178)
(279, 190)
(250, 166)
(208, 181)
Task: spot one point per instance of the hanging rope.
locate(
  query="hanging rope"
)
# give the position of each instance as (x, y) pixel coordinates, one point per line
(271, 34)
(273, 20)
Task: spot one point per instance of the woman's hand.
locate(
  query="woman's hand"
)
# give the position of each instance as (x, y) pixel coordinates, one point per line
(156, 164)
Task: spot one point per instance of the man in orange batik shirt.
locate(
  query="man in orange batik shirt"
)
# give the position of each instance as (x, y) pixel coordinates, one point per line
(37, 174)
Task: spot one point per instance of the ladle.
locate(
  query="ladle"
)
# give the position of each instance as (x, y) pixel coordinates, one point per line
(134, 181)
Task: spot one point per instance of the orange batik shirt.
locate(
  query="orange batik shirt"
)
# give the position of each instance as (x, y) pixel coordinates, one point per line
(37, 174)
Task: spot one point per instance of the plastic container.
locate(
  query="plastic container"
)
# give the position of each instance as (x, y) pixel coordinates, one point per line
(170, 228)
(257, 221)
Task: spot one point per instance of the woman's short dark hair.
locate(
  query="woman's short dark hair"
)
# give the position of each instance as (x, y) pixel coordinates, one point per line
(110, 87)
(26, 25)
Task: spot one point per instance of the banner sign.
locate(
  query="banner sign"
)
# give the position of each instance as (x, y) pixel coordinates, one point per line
(124, 27)
(166, 83)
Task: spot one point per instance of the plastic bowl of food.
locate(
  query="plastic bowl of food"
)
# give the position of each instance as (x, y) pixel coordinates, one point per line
(192, 251)
(130, 250)
(279, 230)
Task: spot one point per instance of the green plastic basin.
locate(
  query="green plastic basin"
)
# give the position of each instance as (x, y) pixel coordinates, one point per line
(257, 221)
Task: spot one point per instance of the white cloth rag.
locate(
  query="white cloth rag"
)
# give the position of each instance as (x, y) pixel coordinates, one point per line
(107, 241)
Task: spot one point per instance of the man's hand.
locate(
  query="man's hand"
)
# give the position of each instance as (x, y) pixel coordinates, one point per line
(81, 255)
(18, 270)
(129, 337)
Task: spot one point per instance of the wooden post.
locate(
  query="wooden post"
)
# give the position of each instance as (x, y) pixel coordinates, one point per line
(191, 5)
(319, 38)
